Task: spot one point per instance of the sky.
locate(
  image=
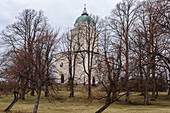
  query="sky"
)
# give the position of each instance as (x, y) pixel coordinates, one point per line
(60, 13)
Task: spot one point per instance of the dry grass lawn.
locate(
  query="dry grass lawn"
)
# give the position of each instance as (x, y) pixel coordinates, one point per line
(80, 104)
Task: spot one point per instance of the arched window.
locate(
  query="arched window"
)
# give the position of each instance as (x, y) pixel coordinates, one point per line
(61, 65)
(93, 81)
(62, 78)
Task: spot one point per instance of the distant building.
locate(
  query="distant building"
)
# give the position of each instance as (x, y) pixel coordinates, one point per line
(83, 31)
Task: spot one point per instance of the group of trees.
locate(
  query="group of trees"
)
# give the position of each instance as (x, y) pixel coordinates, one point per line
(29, 56)
(132, 52)
(135, 45)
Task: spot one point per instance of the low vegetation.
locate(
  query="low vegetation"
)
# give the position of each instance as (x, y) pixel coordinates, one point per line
(61, 103)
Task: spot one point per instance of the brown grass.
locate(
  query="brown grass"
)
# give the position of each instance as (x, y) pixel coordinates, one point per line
(80, 104)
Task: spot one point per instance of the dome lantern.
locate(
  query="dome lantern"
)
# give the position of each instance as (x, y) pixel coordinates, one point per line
(85, 11)
(84, 17)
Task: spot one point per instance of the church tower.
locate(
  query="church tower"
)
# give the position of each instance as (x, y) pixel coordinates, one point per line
(84, 43)
(84, 32)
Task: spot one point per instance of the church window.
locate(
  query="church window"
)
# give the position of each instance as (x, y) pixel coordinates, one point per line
(93, 81)
(61, 65)
(62, 78)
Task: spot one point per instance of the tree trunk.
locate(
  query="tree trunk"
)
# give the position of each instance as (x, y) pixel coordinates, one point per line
(146, 89)
(127, 91)
(37, 101)
(147, 73)
(169, 90)
(153, 79)
(46, 91)
(71, 87)
(32, 92)
(13, 102)
(141, 77)
(146, 97)
(22, 94)
(153, 92)
(127, 68)
(107, 103)
(23, 87)
(157, 94)
(89, 87)
(127, 96)
(146, 84)
(102, 108)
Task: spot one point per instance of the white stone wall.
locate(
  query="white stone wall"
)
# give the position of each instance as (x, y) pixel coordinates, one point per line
(80, 36)
(62, 67)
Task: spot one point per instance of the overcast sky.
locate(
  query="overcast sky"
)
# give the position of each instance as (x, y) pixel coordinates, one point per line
(60, 13)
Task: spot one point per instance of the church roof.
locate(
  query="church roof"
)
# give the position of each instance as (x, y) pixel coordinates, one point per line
(84, 17)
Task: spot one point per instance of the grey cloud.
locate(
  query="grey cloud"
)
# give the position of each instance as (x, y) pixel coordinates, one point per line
(60, 13)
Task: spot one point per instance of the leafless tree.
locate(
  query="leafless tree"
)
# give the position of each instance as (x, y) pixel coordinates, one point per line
(121, 21)
(34, 42)
(89, 49)
(151, 36)
(71, 50)
(110, 67)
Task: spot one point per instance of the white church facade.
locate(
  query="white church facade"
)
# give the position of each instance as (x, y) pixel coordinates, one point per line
(83, 53)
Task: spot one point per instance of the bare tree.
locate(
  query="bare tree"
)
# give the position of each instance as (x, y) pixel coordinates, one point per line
(121, 21)
(162, 10)
(13, 76)
(44, 59)
(88, 32)
(110, 68)
(151, 36)
(33, 41)
(71, 50)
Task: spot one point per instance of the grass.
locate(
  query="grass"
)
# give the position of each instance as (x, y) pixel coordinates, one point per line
(80, 104)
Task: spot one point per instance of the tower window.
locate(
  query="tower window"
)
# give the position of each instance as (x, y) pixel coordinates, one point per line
(61, 65)
(62, 78)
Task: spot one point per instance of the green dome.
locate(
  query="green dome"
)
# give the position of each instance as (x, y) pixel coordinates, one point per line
(84, 18)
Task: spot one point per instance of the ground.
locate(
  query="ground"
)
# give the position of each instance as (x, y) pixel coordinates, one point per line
(80, 104)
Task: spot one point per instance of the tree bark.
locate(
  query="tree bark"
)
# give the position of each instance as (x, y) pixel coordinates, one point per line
(102, 108)
(141, 74)
(37, 101)
(157, 94)
(13, 102)
(153, 89)
(146, 85)
(169, 90)
(32, 92)
(71, 87)
(22, 94)
(127, 67)
(146, 93)
(153, 76)
(46, 91)
(128, 96)
(23, 84)
(89, 86)
(109, 102)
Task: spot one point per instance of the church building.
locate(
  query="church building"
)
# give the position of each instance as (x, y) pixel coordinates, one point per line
(82, 57)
